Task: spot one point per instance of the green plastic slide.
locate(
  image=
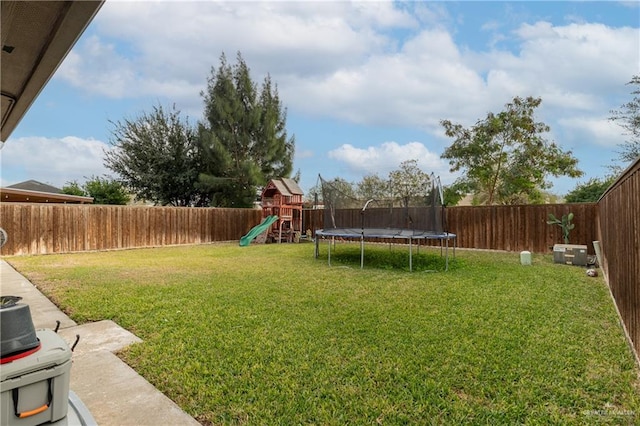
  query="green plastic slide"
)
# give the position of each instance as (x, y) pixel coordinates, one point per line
(257, 230)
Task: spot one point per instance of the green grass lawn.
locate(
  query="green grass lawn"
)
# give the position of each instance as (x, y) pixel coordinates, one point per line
(267, 334)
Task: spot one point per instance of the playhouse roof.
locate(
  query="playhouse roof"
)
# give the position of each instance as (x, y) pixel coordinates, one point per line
(292, 186)
(285, 186)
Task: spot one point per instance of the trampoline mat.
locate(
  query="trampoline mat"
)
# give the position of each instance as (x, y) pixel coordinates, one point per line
(383, 233)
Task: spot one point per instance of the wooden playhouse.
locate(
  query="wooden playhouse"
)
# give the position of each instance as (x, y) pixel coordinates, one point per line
(283, 197)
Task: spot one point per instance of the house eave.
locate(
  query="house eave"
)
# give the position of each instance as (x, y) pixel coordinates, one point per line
(11, 195)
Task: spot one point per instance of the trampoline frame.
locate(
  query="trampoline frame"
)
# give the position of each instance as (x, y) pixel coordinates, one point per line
(387, 233)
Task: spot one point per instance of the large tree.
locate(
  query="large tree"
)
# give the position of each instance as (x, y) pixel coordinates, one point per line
(409, 182)
(373, 187)
(74, 188)
(337, 193)
(106, 191)
(454, 193)
(590, 191)
(244, 137)
(103, 190)
(505, 158)
(157, 157)
(628, 117)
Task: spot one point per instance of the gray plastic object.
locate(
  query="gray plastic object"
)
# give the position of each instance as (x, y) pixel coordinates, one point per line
(78, 413)
(17, 332)
(35, 389)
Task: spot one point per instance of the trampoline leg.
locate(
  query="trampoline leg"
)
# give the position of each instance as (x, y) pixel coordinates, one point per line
(455, 243)
(446, 261)
(410, 256)
(317, 253)
(362, 253)
(329, 253)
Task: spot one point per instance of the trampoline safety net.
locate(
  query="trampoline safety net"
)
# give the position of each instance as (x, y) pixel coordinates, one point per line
(411, 211)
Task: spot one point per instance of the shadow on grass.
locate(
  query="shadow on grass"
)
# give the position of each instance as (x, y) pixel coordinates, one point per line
(393, 257)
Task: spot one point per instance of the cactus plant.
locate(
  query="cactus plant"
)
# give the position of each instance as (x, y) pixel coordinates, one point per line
(564, 223)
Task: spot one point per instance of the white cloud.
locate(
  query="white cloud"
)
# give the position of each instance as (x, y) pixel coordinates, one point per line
(491, 25)
(307, 153)
(99, 68)
(630, 4)
(597, 131)
(382, 14)
(574, 68)
(345, 61)
(387, 157)
(434, 14)
(51, 160)
(168, 50)
(185, 39)
(578, 57)
(339, 59)
(416, 86)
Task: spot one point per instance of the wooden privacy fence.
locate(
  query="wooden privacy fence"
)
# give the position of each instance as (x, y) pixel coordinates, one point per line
(63, 228)
(511, 228)
(619, 214)
(521, 227)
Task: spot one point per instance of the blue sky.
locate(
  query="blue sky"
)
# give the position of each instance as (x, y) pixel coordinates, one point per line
(365, 83)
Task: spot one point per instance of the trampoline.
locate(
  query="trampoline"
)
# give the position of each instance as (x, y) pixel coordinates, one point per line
(404, 234)
(412, 217)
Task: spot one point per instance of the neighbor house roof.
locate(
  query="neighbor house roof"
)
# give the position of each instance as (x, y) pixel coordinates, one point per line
(34, 185)
(32, 191)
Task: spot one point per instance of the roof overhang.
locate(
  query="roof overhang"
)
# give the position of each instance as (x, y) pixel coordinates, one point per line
(12, 195)
(36, 37)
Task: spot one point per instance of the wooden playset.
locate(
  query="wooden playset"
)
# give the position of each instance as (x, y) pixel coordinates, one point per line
(282, 197)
